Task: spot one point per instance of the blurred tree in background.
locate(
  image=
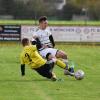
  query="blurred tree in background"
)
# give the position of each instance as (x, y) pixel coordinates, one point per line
(21, 11)
(69, 10)
(91, 7)
(6, 6)
(32, 9)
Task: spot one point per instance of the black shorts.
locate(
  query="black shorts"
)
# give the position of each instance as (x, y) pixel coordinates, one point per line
(45, 70)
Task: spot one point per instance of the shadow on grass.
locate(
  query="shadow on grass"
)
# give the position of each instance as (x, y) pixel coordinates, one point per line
(35, 80)
(8, 80)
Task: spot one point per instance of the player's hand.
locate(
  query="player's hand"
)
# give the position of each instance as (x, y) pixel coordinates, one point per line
(35, 36)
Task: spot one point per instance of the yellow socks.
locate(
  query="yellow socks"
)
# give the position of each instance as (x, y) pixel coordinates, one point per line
(60, 64)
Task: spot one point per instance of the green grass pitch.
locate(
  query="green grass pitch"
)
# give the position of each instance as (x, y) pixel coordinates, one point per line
(35, 87)
(51, 22)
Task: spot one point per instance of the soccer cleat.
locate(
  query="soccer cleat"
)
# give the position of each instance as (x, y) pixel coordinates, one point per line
(71, 69)
(53, 78)
(67, 72)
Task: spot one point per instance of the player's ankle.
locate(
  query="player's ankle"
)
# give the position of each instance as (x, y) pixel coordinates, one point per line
(53, 78)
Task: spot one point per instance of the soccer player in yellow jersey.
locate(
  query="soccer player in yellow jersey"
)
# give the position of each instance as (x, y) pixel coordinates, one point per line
(31, 57)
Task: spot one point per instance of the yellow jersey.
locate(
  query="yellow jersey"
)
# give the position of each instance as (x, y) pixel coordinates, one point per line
(31, 57)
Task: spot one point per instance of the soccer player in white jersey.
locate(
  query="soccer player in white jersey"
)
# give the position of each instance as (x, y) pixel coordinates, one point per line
(45, 42)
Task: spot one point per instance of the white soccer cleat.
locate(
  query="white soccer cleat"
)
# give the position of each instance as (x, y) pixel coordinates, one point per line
(66, 72)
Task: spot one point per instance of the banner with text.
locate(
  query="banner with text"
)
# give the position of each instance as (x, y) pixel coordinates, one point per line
(10, 32)
(67, 33)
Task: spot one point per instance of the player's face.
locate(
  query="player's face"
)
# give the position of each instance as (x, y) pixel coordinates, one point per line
(44, 24)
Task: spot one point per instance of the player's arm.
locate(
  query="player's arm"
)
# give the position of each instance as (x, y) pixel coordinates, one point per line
(37, 43)
(22, 69)
(52, 40)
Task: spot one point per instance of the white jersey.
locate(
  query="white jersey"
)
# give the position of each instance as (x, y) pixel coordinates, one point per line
(43, 36)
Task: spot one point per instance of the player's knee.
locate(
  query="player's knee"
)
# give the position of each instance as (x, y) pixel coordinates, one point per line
(61, 54)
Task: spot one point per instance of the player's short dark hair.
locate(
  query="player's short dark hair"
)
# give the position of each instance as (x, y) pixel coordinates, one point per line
(25, 41)
(42, 18)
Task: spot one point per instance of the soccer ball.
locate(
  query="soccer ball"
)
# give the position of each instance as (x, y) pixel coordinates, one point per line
(79, 74)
